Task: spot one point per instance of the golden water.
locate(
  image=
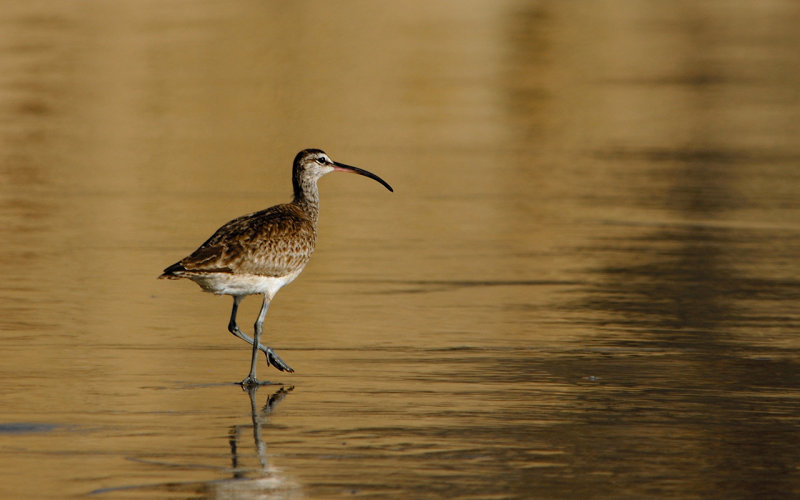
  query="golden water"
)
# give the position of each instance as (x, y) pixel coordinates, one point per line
(585, 285)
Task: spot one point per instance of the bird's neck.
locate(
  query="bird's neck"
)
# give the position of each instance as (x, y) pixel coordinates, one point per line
(306, 196)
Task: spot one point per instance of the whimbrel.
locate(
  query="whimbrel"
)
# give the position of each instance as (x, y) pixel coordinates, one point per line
(261, 252)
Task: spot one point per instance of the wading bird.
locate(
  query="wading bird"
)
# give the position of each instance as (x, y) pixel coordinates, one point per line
(261, 252)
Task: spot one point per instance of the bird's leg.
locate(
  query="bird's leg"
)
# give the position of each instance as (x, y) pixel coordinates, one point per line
(234, 328)
(272, 358)
(251, 379)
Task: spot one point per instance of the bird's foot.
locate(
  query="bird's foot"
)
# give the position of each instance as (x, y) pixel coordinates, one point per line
(276, 361)
(252, 383)
(249, 383)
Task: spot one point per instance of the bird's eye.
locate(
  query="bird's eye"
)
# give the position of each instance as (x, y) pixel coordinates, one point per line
(323, 160)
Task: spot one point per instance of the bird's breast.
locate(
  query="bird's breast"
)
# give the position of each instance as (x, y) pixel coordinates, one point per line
(243, 284)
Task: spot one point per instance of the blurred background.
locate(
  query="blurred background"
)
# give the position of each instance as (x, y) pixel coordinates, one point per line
(585, 284)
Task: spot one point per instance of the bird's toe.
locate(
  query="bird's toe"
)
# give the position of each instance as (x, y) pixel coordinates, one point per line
(276, 361)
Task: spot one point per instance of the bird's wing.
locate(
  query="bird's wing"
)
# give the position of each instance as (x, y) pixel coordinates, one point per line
(273, 242)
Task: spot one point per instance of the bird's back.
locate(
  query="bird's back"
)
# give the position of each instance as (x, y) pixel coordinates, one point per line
(274, 242)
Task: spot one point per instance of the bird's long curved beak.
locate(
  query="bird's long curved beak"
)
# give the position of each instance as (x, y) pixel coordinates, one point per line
(355, 170)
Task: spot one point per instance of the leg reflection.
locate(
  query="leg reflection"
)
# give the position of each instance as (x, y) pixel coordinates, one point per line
(259, 417)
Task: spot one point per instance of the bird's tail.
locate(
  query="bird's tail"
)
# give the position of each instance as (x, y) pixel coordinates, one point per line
(173, 272)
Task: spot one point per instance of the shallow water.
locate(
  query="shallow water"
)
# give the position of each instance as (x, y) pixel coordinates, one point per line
(585, 284)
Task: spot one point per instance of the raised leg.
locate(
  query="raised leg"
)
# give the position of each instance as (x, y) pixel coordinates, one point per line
(272, 358)
(234, 328)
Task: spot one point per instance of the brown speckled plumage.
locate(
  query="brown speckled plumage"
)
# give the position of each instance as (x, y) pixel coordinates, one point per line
(261, 252)
(274, 242)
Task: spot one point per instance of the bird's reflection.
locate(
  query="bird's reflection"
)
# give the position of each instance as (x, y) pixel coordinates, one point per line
(259, 417)
(246, 482)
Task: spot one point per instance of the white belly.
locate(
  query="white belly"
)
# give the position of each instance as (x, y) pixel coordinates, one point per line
(243, 284)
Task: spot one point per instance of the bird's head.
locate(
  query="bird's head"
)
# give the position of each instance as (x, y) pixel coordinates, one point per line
(311, 164)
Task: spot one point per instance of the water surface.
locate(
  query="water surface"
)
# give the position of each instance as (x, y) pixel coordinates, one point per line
(585, 284)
